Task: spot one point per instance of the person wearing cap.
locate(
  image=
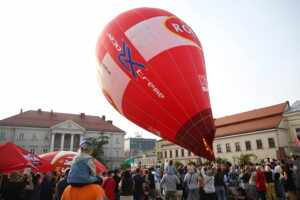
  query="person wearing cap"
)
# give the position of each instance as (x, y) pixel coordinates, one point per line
(14, 188)
(83, 170)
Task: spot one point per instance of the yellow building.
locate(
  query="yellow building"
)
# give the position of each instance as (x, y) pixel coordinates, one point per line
(268, 132)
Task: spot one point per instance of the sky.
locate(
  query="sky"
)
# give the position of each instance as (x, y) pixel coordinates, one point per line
(48, 62)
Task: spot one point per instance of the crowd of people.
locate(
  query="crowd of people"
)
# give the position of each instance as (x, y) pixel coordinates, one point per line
(223, 181)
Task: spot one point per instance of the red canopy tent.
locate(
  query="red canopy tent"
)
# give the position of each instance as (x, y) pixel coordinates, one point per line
(14, 158)
(62, 160)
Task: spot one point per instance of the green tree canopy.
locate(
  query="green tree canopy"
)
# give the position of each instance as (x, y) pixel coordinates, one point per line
(125, 166)
(220, 160)
(177, 164)
(99, 142)
(245, 159)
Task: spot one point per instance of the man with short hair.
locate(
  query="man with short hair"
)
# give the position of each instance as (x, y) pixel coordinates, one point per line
(170, 181)
(13, 189)
(47, 187)
(139, 186)
(117, 179)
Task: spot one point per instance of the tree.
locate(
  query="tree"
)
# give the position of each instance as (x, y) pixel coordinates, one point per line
(125, 166)
(220, 160)
(177, 164)
(99, 142)
(206, 163)
(245, 158)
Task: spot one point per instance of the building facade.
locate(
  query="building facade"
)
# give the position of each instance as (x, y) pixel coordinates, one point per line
(269, 132)
(146, 159)
(292, 120)
(159, 151)
(134, 146)
(262, 132)
(41, 132)
(176, 153)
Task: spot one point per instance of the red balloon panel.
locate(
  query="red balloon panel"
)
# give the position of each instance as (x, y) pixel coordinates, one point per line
(152, 70)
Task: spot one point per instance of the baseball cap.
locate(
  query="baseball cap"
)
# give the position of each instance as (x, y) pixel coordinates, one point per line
(85, 144)
(14, 174)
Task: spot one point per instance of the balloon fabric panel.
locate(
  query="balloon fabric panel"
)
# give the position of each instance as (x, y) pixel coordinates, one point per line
(152, 70)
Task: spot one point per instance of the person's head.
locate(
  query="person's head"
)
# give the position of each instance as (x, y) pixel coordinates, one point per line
(267, 168)
(110, 173)
(125, 174)
(116, 171)
(86, 147)
(258, 168)
(209, 172)
(138, 171)
(104, 174)
(67, 172)
(170, 162)
(14, 176)
(48, 175)
(287, 167)
(247, 169)
(232, 169)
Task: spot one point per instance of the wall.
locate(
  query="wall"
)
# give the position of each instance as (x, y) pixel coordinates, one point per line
(265, 152)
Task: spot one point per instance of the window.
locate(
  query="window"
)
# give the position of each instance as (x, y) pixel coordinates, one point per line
(2, 135)
(46, 137)
(117, 153)
(21, 136)
(259, 144)
(45, 150)
(248, 145)
(237, 146)
(219, 149)
(32, 151)
(297, 134)
(189, 153)
(271, 142)
(171, 154)
(117, 140)
(166, 154)
(34, 136)
(228, 148)
(182, 152)
(176, 153)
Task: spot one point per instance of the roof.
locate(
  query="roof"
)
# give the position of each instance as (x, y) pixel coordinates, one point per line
(44, 119)
(294, 108)
(254, 120)
(140, 139)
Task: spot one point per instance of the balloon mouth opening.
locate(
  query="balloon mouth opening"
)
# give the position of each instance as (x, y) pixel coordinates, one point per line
(199, 130)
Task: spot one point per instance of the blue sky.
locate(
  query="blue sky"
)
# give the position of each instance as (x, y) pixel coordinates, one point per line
(47, 48)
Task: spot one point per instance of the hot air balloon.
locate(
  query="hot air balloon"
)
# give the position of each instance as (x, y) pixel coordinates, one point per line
(151, 69)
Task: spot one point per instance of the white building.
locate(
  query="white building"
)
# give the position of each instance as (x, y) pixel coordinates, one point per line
(41, 132)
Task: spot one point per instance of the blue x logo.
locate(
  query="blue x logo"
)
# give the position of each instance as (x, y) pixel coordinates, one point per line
(126, 60)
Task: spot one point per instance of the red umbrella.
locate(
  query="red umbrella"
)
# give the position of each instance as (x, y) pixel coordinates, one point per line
(62, 160)
(14, 158)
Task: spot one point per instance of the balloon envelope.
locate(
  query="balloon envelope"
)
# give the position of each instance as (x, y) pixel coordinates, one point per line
(62, 160)
(152, 71)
